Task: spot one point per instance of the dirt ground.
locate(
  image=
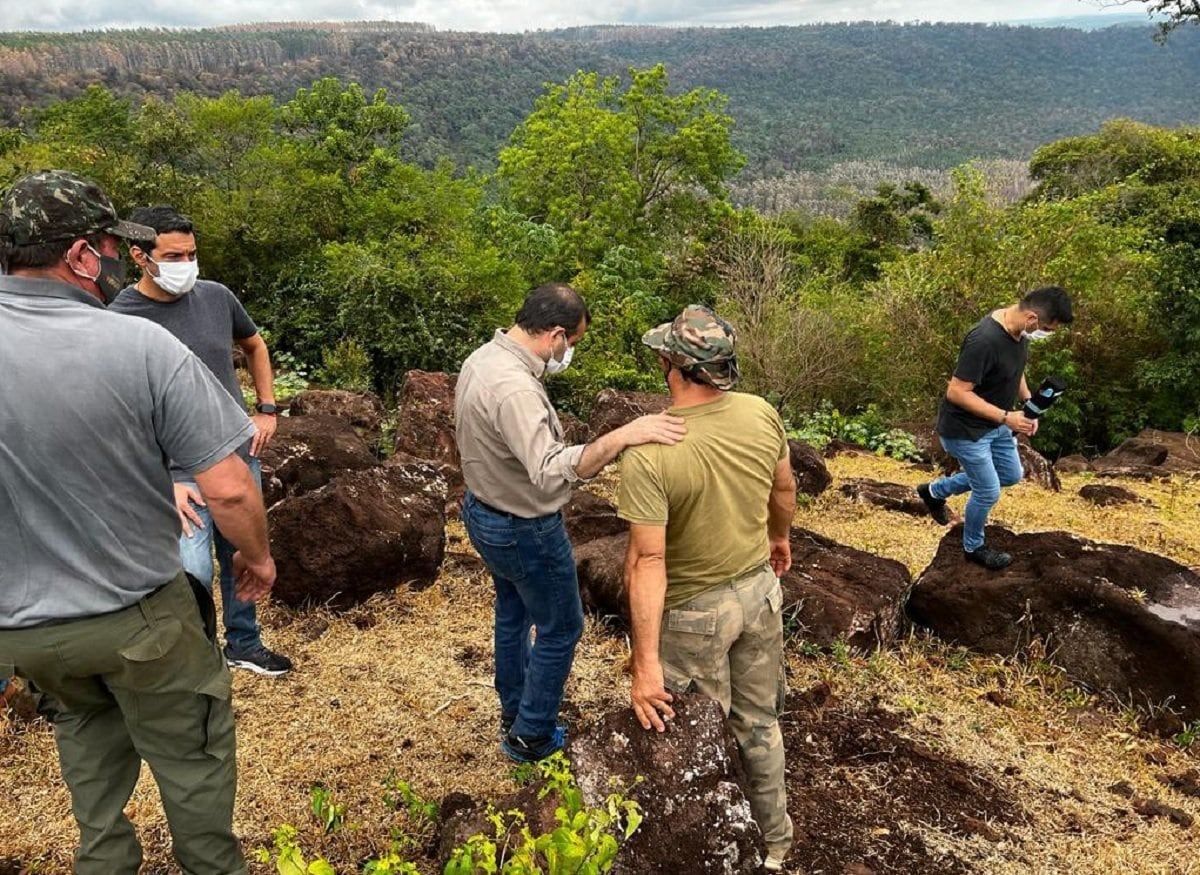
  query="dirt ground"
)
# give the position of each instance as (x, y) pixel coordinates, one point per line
(919, 759)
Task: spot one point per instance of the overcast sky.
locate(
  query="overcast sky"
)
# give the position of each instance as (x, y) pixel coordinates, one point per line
(518, 15)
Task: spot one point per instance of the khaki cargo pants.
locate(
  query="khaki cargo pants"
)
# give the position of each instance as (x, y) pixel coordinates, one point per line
(145, 683)
(727, 643)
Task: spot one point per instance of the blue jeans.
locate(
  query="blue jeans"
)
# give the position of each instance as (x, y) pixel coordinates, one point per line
(241, 618)
(533, 570)
(987, 464)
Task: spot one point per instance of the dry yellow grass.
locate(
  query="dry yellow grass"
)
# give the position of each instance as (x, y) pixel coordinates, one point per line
(402, 686)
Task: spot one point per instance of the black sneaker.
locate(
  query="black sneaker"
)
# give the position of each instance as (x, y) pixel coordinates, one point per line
(992, 560)
(506, 725)
(937, 506)
(259, 660)
(533, 749)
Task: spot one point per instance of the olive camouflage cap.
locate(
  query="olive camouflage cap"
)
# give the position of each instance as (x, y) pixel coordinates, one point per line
(701, 342)
(53, 205)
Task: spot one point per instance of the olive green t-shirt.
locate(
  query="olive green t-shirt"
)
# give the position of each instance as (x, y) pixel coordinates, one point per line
(710, 491)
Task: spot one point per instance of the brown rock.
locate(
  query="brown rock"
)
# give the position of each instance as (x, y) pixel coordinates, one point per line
(1072, 465)
(1187, 783)
(363, 410)
(588, 517)
(1037, 469)
(688, 781)
(835, 592)
(364, 532)
(1106, 496)
(614, 408)
(600, 565)
(1119, 618)
(837, 447)
(309, 451)
(1151, 454)
(889, 496)
(693, 780)
(1157, 808)
(425, 417)
(809, 469)
(575, 430)
(930, 445)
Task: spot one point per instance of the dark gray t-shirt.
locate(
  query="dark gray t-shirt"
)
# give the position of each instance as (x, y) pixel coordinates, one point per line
(207, 320)
(93, 405)
(993, 362)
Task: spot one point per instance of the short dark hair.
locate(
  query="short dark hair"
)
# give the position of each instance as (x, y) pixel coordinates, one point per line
(38, 256)
(1051, 303)
(550, 306)
(164, 220)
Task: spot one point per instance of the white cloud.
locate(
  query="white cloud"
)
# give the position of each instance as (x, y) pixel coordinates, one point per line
(518, 15)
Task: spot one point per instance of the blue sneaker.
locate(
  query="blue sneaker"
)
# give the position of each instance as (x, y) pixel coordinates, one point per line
(533, 749)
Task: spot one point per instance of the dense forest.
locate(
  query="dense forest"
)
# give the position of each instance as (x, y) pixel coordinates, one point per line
(804, 98)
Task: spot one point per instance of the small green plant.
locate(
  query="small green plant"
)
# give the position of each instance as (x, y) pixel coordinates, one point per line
(1074, 697)
(585, 842)
(346, 366)
(867, 428)
(399, 795)
(1188, 736)
(291, 376)
(289, 860)
(957, 660)
(331, 815)
(841, 652)
(523, 773)
(1137, 594)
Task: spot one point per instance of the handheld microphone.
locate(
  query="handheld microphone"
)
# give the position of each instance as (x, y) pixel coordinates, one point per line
(1043, 399)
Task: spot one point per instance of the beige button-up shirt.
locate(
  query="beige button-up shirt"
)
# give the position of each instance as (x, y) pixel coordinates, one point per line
(509, 437)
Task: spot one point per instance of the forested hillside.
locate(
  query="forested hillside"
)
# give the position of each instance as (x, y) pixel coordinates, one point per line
(803, 97)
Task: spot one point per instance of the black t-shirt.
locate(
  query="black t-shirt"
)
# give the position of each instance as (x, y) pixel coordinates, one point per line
(994, 362)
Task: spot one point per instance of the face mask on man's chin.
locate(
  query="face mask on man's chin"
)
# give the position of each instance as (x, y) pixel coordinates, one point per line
(1036, 334)
(556, 365)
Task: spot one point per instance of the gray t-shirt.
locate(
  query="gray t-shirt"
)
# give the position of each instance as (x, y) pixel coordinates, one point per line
(207, 320)
(93, 405)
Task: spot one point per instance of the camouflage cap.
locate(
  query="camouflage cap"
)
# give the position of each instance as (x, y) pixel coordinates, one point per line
(53, 205)
(701, 342)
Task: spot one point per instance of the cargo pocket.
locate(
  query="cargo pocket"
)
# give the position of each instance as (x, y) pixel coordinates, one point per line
(217, 694)
(675, 680)
(775, 597)
(145, 654)
(690, 632)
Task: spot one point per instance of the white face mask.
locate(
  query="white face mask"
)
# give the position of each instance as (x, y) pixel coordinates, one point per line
(176, 277)
(1038, 334)
(557, 366)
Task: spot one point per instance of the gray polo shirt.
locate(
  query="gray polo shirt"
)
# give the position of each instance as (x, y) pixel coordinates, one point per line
(207, 320)
(93, 405)
(508, 434)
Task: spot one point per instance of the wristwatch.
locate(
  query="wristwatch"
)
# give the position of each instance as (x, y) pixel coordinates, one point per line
(268, 409)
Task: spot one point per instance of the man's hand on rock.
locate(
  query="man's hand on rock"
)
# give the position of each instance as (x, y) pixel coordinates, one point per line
(650, 698)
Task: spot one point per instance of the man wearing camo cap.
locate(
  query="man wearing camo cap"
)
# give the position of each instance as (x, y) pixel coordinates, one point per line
(96, 613)
(708, 540)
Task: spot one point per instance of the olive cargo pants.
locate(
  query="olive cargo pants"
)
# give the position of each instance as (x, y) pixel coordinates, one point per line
(144, 683)
(727, 643)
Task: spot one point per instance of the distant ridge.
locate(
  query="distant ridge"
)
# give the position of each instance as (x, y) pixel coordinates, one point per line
(803, 98)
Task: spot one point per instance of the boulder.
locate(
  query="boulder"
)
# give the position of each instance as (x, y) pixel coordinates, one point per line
(809, 469)
(425, 418)
(615, 408)
(1106, 495)
(309, 451)
(838, 447)
(575, 430)
(600, 565)
(688, 781)
(1152, 454)
(889, 496)
(1075, 464)
(1114, 617)
(836, 592)
(588, 517)
(363, 410)
(362, 533)
(1037, 469)
(930, 445)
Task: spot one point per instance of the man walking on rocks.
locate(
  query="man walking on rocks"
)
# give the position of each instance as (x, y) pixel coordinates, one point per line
(519, 473)
(976, 422)
(96, 613)
(708, 540)
(208, 319)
